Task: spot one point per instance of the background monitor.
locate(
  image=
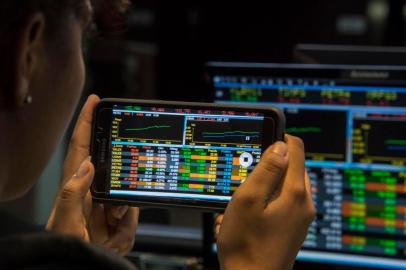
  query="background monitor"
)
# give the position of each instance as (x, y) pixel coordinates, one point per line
(353, 123)
(349, 54)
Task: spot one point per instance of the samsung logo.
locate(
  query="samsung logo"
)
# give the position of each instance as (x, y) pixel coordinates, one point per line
(366, 74)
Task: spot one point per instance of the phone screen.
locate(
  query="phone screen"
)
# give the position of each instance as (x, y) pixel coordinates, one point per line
(182, 153)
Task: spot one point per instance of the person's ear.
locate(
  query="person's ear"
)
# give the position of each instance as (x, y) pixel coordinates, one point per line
(29, 44)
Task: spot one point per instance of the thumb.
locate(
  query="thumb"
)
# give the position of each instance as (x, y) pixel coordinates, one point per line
(268, 174)
(75, 190)
(70, 203)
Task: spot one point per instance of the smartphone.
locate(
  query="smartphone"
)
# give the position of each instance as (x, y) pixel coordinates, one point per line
(161, 153)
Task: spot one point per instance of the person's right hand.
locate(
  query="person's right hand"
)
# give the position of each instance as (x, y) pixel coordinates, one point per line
(267, 219)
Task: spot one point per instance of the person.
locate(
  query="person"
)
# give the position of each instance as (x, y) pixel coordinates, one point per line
(41, 79)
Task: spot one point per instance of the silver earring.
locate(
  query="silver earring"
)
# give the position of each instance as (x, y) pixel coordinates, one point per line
(28, 99)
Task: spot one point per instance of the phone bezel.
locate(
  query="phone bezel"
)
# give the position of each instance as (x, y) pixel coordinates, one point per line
(100, 149)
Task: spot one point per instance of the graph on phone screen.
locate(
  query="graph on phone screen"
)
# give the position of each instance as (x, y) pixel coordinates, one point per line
(148, 129)
(214, 131)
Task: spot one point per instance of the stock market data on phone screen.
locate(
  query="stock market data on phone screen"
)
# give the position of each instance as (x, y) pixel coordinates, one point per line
(182, 153)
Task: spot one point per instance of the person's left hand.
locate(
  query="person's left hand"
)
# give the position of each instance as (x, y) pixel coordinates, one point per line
(74, 213)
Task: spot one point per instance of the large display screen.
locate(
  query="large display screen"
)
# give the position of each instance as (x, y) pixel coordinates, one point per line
(353, 123)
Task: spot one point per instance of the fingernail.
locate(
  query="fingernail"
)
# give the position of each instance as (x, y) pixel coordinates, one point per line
(122, 211)
(280, 148)
(83, 169)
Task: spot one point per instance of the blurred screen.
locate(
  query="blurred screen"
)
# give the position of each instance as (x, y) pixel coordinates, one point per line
(353, 123)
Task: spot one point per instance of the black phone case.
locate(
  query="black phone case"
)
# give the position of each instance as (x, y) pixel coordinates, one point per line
(101, 197)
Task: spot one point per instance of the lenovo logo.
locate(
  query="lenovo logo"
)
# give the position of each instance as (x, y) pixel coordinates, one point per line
(369, 74)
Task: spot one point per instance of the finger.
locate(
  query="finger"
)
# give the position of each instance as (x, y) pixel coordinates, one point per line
(267, 175)
(123, 237)
(309, 192)
(76, 189)
(70, 201)
(217, 224)
(219, 219)
(98, 228)
(110, 219)
(79, 145)
(294, 180)
(308, 184)
(115, 213)
(118, 211)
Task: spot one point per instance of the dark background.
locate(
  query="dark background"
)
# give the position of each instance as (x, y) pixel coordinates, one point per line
(162, 54)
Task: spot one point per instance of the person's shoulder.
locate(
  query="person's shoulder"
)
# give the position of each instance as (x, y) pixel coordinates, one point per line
(50, 251)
